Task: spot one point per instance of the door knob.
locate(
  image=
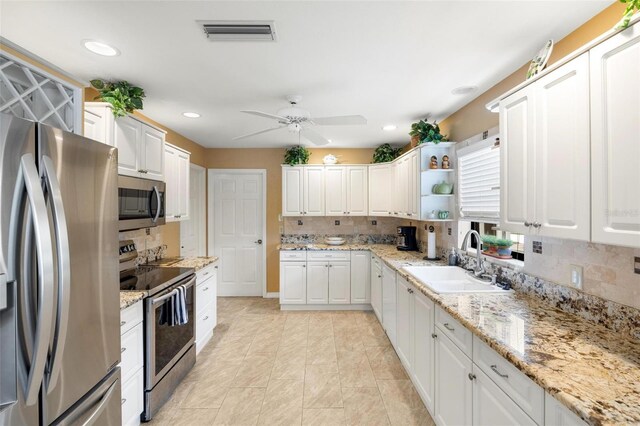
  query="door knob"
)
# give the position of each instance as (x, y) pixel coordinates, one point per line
(258, 242)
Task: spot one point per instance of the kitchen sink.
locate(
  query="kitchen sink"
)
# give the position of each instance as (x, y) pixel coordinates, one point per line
(450, 279)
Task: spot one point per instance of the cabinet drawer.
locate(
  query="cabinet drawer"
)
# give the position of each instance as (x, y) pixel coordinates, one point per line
(132, 399)
(130, 317)
(205, 294)
(205, 273)
(462, 337)
(524, 392)
(205, 322)
(329, 255)
(293, 255)
(131, 351)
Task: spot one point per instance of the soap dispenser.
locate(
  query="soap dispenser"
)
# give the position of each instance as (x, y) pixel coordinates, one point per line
(453, 257)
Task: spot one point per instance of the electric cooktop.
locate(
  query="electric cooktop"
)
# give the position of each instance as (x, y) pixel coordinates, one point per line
(152, 279)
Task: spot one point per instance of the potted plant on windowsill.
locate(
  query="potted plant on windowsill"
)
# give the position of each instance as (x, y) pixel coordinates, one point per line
(496, 247)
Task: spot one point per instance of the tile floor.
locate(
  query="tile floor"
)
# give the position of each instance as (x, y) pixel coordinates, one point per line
(268, 367)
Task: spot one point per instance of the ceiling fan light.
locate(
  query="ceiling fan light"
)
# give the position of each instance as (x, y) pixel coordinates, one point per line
(294, 127)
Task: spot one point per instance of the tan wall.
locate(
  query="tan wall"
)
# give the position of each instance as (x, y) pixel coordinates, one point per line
(474, 117)
(271, 160)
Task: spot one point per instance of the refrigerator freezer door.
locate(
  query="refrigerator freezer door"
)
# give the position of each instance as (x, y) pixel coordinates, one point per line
(80, 178)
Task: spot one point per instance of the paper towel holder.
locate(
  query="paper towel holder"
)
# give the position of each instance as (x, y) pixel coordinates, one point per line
(432, 230)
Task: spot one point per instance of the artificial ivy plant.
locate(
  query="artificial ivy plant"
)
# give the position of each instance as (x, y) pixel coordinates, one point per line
(385, 153)
(632, 6)
(122, 96)
(428, 132)
(296, 155)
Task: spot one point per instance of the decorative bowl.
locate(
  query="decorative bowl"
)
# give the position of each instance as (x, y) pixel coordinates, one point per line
(330, 159)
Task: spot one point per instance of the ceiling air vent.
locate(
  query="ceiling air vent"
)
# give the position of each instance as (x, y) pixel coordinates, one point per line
(239, 30)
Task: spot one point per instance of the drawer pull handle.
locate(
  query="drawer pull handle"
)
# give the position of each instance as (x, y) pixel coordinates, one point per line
(495, 370)
(205, 274)
(122, 350)
(472, 376)
(448, 327)
(434, 335)
(205, 318)
(205, 289)
(123, 401)
(122, 323)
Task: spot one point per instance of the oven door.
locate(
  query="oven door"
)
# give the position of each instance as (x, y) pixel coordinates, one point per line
(141, 203)
(165, 344)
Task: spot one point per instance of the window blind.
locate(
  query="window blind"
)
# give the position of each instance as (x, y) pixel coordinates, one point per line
(479, 181)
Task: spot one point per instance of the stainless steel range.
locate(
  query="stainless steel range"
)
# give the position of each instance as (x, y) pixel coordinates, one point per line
(169, 349)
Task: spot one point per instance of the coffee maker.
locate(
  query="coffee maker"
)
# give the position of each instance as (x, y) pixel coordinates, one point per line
(407, 238)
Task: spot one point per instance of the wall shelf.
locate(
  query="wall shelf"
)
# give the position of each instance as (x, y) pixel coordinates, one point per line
(438, 170)
(438, 195)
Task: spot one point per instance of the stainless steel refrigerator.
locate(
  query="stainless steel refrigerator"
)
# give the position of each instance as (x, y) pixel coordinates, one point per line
(59, 285)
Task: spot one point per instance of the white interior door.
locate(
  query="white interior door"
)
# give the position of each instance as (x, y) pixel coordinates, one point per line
(238, 230)
(192, 231)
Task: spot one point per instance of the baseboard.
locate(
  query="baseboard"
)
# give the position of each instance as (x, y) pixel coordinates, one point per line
(363, 307)
(272, 295)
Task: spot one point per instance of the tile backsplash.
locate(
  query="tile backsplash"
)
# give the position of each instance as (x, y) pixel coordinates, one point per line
(150, 247)
(342, 225)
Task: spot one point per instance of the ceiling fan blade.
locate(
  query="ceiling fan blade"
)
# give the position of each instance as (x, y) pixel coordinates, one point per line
(341, 120)
(256, 133)
(314, 137)
(266, 115)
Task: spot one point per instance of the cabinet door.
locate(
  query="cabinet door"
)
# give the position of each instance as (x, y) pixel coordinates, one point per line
(360, 277)
(615, 149)
(127, 139)
(492, 407)
(95, 124)
(313, 191)
(517, 161)
(562, 177)
(152, 152)
(340, 282)
(318, 283)
(424, 349)
(389, 302)
(401, 188)
(379, 190)
(293, 283)
(292, 202)
(404, 323)
(183, 185)
(335, 179)
(556, 414)
(376, 288)
(413, 185)
(357, 188)
(453, 384)
(172, 183)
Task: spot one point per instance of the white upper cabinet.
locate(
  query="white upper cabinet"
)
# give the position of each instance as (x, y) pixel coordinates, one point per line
(380, 186)
(357, 191)
(615, 140)
(140, 145)
(545, 155)
(413, 185)
(562, 152)
(313, 191)
(335, 178)
(292, 202)
(176, 162)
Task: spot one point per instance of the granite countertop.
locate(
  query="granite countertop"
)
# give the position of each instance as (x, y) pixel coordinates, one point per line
(592, 370)
(196, 263)
(128, 298)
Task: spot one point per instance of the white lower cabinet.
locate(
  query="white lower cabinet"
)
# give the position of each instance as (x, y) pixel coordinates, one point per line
(556, 414)
(340, 283)
(453, 402)
(132, 363)
(389, 302)
(293, 283)
(404, 322)
(360, 277)
(317, 283)
(206, 305)
(423, 343)
(376, 286)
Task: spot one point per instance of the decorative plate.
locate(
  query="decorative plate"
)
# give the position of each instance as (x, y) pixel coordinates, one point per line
(540, 60)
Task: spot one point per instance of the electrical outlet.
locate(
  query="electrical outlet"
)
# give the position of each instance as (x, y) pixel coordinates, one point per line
(448, 231)
(148, 231)
(537, 247)
(281, 229)
(576, 276)
(299, 223)
(636, 264)
(337, 222)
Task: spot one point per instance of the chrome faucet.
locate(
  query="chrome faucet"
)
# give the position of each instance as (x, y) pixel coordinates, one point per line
(478, 270)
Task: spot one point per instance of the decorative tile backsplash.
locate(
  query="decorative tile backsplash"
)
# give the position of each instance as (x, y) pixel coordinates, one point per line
(349, 238)
(343, 225)
(150, 247)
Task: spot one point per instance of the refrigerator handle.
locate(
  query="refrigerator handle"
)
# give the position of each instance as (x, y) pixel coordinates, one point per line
(64, 271)
(29, 179)
(155, 189)
(104, 401)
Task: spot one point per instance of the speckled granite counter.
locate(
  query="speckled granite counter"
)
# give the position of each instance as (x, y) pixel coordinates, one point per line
(592, 370)
(196, 263)
(128, 298)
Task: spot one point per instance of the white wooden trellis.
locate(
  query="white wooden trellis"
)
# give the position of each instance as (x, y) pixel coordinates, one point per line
(32, 93)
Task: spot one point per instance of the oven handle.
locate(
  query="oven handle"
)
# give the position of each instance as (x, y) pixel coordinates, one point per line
(173, 292)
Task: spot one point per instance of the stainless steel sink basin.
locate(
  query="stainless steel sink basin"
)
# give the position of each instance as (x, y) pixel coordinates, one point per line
(450, 279)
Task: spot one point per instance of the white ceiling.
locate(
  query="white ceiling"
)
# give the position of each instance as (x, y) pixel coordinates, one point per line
(393, 62)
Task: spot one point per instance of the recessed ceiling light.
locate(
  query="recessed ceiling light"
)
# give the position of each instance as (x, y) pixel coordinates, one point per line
(464, 90)
(100, 48)
(191, 114)
(389, 127)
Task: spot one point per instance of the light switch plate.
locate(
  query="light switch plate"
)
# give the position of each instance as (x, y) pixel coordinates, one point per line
(576, 276)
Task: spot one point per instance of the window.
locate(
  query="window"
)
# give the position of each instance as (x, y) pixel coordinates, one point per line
(479, 181)
(483, 228)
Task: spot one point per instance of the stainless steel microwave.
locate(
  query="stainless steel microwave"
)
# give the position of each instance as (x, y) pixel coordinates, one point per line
(141, 203)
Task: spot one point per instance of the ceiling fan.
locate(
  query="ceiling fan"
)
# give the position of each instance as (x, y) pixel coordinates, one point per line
(298, 120)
